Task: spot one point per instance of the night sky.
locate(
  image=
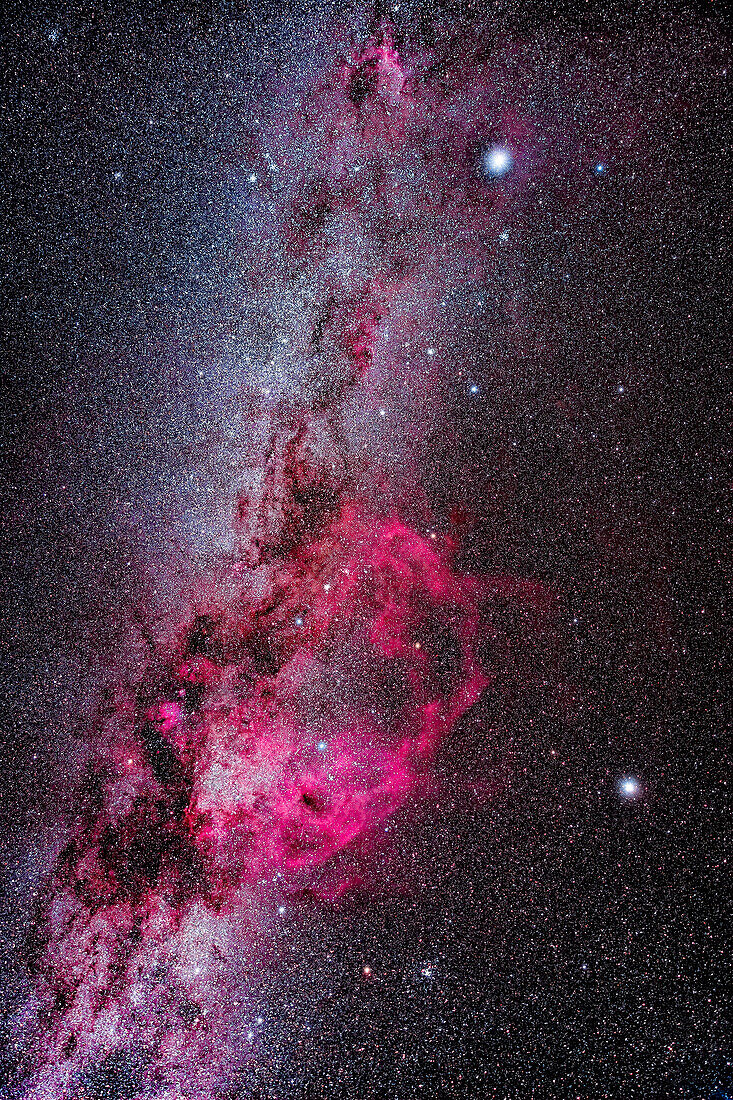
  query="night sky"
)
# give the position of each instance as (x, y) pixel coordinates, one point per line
(365, 533)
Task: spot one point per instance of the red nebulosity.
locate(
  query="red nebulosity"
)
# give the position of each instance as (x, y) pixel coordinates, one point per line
(375, 74)
(306, 699)
(376, 609)
(284, 728)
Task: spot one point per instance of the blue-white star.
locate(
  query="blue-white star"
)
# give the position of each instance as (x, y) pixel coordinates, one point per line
(496, 161)
(629, 787)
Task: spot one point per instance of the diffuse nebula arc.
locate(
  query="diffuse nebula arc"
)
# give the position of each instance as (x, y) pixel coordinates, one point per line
(256, 752)
(305, 700)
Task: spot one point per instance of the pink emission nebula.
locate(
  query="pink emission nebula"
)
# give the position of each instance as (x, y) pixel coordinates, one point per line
(305, 701)
(344, 660)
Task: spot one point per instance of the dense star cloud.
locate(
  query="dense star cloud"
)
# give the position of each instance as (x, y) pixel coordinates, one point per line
(366, 462)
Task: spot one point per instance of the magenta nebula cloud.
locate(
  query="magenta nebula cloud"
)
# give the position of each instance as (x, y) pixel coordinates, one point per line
(355, 664)
(305, 701)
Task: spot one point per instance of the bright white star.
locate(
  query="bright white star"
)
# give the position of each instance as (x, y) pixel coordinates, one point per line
(496, 161)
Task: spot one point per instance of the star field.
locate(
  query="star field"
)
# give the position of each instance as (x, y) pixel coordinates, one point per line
(365, 538)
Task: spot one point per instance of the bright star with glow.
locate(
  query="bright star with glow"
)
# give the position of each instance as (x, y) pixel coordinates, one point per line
(629, 787)
(496, 161)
